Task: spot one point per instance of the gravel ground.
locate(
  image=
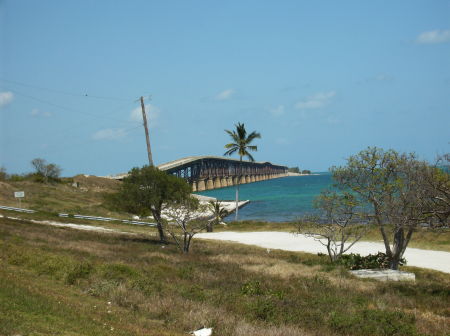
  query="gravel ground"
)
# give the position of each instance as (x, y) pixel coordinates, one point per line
(436, 260)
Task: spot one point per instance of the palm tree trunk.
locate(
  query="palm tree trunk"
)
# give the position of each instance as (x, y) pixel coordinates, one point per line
(237, 189)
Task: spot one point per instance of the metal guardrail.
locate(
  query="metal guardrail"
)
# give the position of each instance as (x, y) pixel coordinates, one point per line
(17, 209)
(96, 218)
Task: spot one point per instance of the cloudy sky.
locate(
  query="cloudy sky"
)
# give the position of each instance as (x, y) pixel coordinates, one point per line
(320, 80)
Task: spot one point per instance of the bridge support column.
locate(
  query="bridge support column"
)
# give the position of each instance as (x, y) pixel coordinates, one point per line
(242, 179)
(194, 186)
(223, 182)
(209, 184)
(201, 185)
(229, 181)
(252, 178)
(235, 180)
(216, 183)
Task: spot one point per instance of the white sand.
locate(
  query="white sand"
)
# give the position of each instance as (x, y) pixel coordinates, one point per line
(436, 260)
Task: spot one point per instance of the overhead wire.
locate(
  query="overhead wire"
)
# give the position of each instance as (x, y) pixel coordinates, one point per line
(62, 92)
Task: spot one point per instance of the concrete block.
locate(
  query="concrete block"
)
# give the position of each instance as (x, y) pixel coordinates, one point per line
(384, 275)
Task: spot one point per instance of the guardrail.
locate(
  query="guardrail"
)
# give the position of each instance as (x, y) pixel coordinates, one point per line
(95, 218)
(17, 209)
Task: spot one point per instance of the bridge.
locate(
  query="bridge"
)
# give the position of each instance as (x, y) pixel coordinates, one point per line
(212, 172)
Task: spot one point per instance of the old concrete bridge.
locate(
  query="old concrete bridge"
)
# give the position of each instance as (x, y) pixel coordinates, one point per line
(212, 172)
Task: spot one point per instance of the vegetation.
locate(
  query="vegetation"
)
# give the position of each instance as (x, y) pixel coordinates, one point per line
(147, 191)
(241, 144)
(397, 189)
(77, 195)
(185, 221)
(338, 226)
(354, 261)
(306, 172)
(67, 282)
(218, 212)
(294, 170)
(45, 172)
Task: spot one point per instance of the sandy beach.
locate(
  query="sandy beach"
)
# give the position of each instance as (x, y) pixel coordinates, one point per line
(436, 260)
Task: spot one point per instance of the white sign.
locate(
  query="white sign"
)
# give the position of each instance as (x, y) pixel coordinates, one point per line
(19, 194)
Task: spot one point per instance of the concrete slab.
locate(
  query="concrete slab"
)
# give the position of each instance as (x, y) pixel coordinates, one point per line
(384, 275)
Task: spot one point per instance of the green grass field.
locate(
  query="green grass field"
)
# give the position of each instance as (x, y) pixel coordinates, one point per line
(67, 282)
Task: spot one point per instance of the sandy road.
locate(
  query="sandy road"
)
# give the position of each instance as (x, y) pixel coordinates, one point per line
(436, 260)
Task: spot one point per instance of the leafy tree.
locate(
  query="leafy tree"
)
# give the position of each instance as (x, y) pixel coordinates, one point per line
(185, 221)
(147, 191)
(241, 144)
(337, 227)
(3, 174)
(397, 190)
(218, 214)
(294, 170)
(45, 172)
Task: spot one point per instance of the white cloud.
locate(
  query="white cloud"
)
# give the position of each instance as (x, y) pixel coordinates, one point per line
(316, 101)
(151, 111)
(434, 36)
(225, 95)
(37, 113)
(109, 134)
(6, 97)
(277, 111)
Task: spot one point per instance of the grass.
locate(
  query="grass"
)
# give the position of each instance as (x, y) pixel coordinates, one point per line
(69, 282)
(86, 199)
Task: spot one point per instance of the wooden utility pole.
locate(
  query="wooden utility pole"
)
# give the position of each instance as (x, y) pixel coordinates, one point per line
(149, 150)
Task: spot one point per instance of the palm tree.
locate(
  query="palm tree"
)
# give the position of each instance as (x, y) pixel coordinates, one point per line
(218, 214)
(241, 145)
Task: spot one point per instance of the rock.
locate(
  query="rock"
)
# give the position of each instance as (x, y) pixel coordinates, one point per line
(202, 332)
(384, 275)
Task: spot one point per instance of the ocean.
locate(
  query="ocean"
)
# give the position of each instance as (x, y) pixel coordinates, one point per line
(278, 200)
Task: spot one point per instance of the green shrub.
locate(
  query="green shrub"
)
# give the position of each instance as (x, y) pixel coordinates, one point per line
(252, 288)
(119, 272)
(355, 261)
(78, 271)
(373, 322)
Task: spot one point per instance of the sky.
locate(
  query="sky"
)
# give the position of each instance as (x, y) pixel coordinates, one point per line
(320, 80)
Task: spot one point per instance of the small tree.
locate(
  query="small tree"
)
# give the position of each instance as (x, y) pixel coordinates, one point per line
(44, 171)
(397, 190)
(185, 221)
(338, 226)
(218, 214)
(147, 191)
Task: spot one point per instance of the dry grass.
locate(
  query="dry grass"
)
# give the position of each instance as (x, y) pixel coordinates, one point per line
(236, 289)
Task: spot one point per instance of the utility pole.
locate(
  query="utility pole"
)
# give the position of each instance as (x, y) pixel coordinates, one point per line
(149, 150)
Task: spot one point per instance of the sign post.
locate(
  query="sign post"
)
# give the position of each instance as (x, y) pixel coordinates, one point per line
(19, 195)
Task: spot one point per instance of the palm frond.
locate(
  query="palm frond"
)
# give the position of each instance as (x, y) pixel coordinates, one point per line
(230, 151)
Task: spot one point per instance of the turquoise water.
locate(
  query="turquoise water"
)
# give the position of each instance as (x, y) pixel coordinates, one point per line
(277, 200)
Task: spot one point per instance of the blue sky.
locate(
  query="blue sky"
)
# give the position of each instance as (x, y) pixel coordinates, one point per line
(320, 80)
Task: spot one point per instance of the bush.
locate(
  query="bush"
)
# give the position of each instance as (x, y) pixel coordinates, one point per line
(355, 261)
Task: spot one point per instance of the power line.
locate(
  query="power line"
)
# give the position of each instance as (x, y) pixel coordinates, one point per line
(63, 92)
(62, 107)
